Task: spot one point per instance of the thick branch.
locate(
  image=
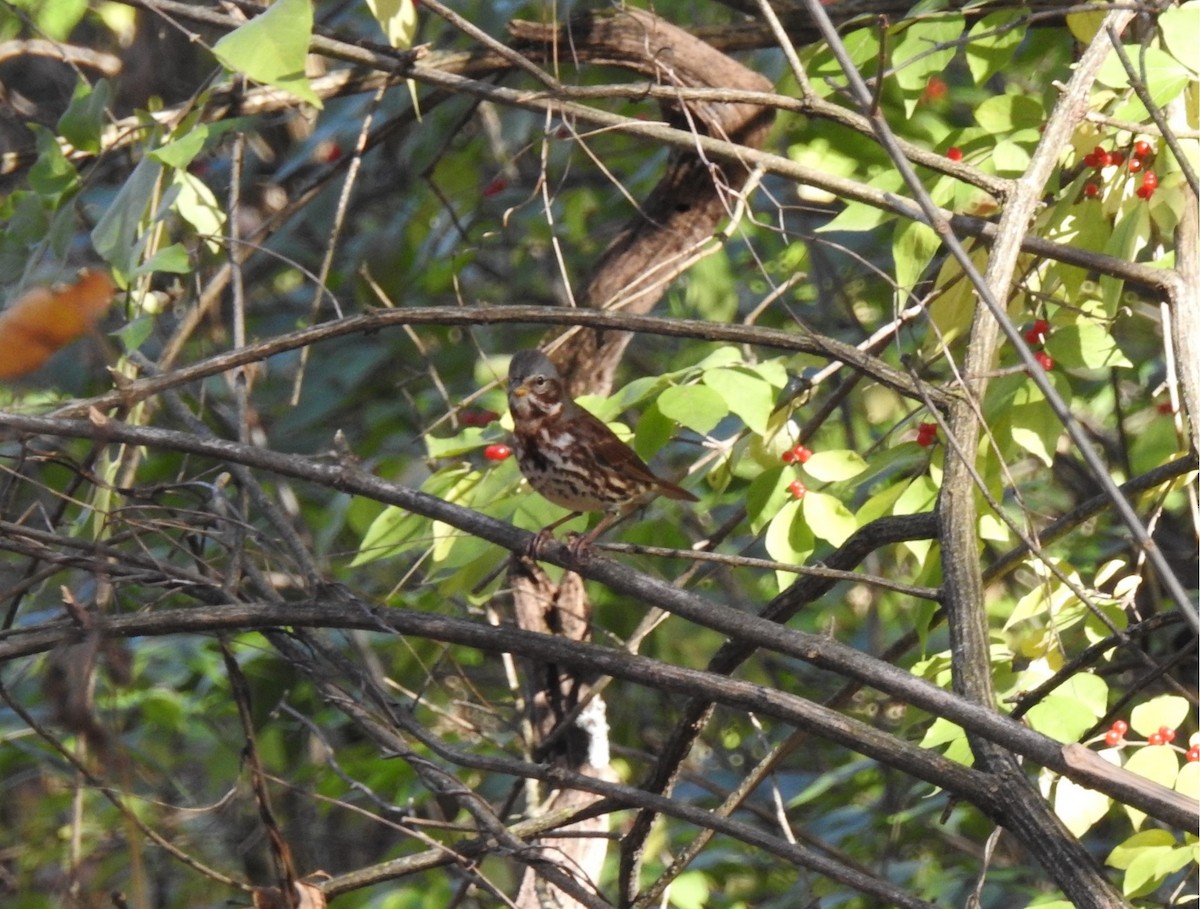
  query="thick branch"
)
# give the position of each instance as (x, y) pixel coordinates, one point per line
(818, 650)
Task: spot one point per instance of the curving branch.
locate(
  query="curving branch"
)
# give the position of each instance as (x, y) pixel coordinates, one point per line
(817, 650)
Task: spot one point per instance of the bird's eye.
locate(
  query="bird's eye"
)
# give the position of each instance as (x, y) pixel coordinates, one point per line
(539, 381)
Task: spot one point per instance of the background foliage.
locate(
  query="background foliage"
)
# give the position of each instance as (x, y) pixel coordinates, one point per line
(325, 260)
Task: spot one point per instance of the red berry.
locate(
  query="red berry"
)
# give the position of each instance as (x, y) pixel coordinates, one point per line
(1120, 726)
(496, 186)
(1091, 190)
(1044, 360)
(1144, 192)
(1165, 407)
(1155, 738)
(1193, 753)
(1167, 733)
(1033, 337)
(497, 452)
(474, 417)
(1142, 149)
(926, 434)
(1149, 178)
(935, 89)
(1118, 158)
(954, 153)
(1041, 326)
(797, 489)
(1090, 160)
(1135, 164)
(1112, 738)
(797, 455)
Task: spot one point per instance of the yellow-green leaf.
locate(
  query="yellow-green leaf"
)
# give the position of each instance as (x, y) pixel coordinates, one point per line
(272, 48)
(397, 18)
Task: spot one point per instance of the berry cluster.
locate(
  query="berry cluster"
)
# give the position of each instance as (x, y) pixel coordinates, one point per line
(1139, 153)
(1164, 736)
(927, 434)
(1116, 734)
(1035, 336)
(797, 454)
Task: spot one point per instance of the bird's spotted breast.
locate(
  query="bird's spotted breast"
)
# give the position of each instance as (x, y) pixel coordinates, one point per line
(552, 463)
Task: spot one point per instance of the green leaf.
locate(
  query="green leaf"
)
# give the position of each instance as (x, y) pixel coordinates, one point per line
(1179, 27)
(745, 394)
(115, 233)
(1034, 426)
(1091, 691)
(56, 20)
(1165, 710)
(134, 333)
(698, 407)
(834, 465)
(85, 117)
(1188, 782)
(272, 48)
(51, 175)
(766, 496)
(1003, 114)
(1087, 343)
(653, 431)
(1009, 158)
(1062, 718)
(393, 531)
(913, 248)
(1129, 236)
(1155, 762)
(182, 152)
(1079, 807)
(199, 208)
(789, 538)
(398, 19)
(172, 259)
(924, 48)
(990, 50)
(690, 890)
(1085, 26)
(1151, 865)
(828, 518)
(1123, 855)
(918, 497)
(466, 441)
(951, 739)
(1165, 78)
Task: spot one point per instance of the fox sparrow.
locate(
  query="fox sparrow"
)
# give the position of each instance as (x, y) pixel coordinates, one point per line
(570, 456)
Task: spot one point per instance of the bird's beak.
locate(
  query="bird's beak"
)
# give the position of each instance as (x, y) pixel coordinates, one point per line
(520, 391)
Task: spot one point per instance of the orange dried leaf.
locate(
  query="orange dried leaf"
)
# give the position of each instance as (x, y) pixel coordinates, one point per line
(45, 319)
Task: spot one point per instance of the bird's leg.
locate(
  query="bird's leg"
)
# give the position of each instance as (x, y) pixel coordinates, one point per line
(546, 535)
(580, 545)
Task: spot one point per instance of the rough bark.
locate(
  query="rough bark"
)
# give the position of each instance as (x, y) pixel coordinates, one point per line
(695, 194)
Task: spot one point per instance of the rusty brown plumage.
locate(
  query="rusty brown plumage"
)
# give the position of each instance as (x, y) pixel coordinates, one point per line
(572, 458)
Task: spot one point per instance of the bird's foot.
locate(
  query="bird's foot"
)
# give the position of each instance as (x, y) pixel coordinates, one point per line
(580, 547)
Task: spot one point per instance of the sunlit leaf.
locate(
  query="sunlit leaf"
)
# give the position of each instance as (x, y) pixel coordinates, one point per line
(834, 465)
(698, 407)
(272, 48)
